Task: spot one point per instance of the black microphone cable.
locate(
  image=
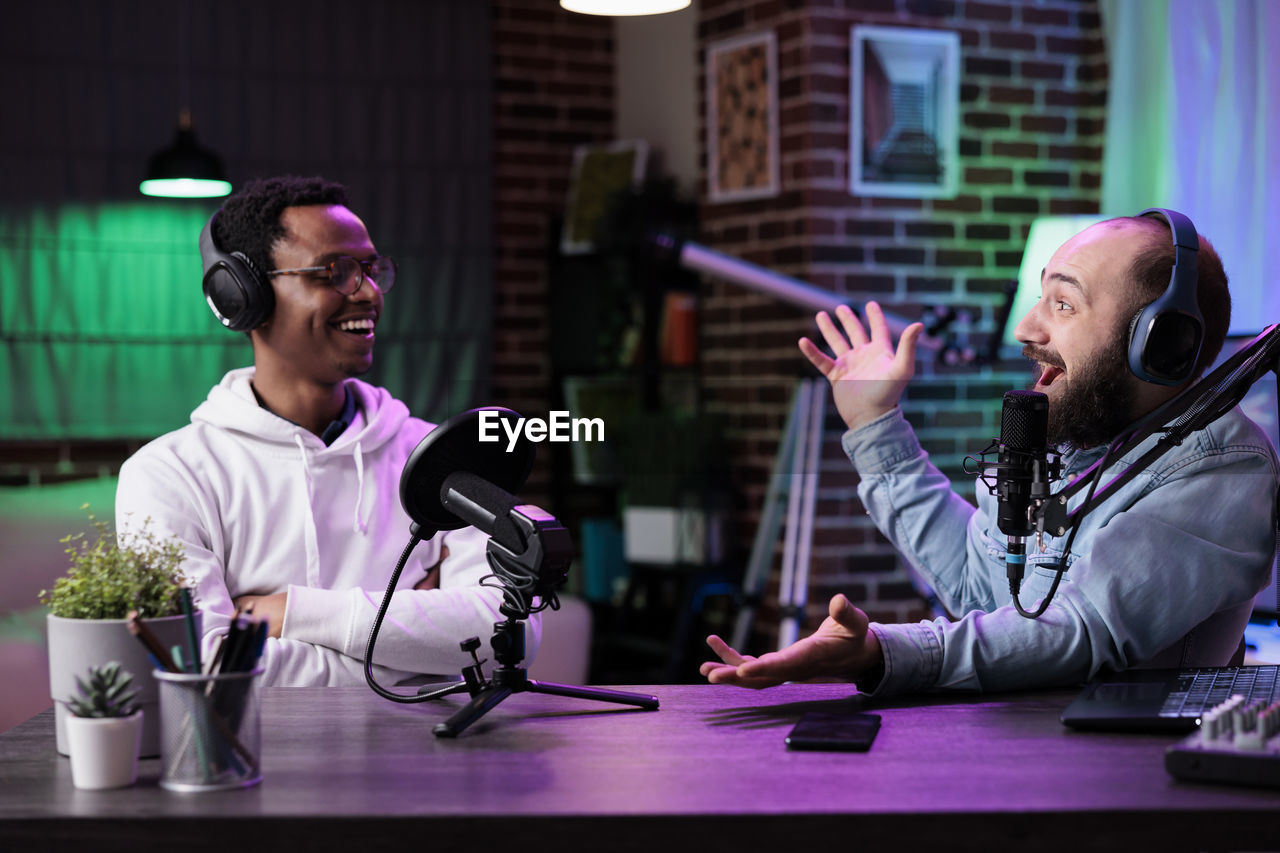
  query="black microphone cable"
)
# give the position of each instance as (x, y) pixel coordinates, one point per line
(414, 539)
(1024, 470)
(1015, 583)
(518, 587)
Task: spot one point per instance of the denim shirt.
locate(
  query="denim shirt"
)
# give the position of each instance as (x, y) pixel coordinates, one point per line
(1162, 573)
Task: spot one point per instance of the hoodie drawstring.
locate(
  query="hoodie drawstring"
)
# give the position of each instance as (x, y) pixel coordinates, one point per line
(306, 463)
(361, 523)
(310, 538)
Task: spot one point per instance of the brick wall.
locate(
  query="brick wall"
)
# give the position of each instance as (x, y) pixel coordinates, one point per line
(1033, 90)
(553, 90)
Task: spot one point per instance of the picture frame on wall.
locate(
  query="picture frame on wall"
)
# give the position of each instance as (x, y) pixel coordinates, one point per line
(904, 93)
(742, 118)
(598, 173)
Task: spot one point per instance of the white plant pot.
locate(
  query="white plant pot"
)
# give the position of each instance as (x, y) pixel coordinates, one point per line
(104, 750)
(77, 644)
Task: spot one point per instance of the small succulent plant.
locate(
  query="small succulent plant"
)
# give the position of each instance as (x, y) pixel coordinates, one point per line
(107, 693)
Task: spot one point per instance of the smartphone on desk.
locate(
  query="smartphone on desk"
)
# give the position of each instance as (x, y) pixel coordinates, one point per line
(833, 730)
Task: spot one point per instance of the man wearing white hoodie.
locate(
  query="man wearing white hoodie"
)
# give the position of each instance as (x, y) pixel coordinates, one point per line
(284, 488)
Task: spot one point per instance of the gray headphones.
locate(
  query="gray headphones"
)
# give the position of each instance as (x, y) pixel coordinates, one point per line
(1165, 337)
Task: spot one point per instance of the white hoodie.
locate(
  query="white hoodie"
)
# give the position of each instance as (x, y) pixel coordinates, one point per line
(263, 506)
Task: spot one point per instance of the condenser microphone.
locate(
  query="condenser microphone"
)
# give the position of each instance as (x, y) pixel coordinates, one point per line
(1021, 473)
(1024, 431)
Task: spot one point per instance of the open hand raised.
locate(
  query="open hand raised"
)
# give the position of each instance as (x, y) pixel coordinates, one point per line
(867, 374)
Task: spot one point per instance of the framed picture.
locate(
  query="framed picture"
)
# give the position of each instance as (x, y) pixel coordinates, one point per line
(742, 118)
(599, 171)
(904, 91)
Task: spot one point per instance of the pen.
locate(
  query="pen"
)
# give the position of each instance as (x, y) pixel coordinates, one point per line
(247, 639)
(230, 644)
(189, 618)
(198, 716)
(260, 645)
(251, 649)
(211, 665)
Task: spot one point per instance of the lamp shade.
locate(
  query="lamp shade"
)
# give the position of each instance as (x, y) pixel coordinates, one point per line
(624, 7)
(184, 169)
(1046, 235)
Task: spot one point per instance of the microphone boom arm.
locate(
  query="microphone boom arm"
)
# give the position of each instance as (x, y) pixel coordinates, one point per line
(1193, 409)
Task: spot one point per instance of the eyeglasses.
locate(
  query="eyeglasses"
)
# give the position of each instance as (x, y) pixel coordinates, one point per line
(346, 274)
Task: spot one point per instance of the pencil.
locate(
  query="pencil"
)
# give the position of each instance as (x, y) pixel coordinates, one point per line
(144, 634)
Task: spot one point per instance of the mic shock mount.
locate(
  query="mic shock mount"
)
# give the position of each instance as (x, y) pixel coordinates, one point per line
(1043, 509)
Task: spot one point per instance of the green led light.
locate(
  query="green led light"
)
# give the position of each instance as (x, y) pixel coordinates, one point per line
(184, 188)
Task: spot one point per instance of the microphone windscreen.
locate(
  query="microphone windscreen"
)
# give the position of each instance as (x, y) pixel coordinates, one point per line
(1024, 421)
(484, 506)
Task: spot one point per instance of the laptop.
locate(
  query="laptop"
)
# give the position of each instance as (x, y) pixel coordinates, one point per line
(1167, 700)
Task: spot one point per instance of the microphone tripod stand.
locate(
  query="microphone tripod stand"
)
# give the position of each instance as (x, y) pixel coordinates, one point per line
(510, 677)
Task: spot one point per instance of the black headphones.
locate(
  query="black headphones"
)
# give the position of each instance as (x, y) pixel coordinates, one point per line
(1165, 337)
(238, 294)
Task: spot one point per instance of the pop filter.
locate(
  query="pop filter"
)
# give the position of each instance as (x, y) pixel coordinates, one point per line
(454, 447)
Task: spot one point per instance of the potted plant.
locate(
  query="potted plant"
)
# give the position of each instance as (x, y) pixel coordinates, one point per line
(104, 728)
(88, 607)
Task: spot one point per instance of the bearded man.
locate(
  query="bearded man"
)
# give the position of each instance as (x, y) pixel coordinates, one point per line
(1162, 574)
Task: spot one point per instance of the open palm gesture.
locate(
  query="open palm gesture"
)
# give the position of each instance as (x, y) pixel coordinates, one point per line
(867, 374)
(842, 648)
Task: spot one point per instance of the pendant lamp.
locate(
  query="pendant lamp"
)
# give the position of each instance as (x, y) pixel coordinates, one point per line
(184, 169)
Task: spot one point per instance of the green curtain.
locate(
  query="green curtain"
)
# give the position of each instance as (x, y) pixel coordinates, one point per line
(103, 331)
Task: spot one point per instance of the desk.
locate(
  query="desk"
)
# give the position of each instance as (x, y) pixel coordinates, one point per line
(343, 768)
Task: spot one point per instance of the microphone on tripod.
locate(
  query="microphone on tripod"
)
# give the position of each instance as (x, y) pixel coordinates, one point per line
(1023, 472)
(453, 479)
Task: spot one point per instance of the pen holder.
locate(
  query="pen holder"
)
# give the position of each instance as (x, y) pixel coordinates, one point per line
(211, 732)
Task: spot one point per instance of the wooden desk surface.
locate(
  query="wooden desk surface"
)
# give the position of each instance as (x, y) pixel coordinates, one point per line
(709, 770)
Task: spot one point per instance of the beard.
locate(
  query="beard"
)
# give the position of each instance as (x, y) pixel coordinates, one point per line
(1091, 408)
